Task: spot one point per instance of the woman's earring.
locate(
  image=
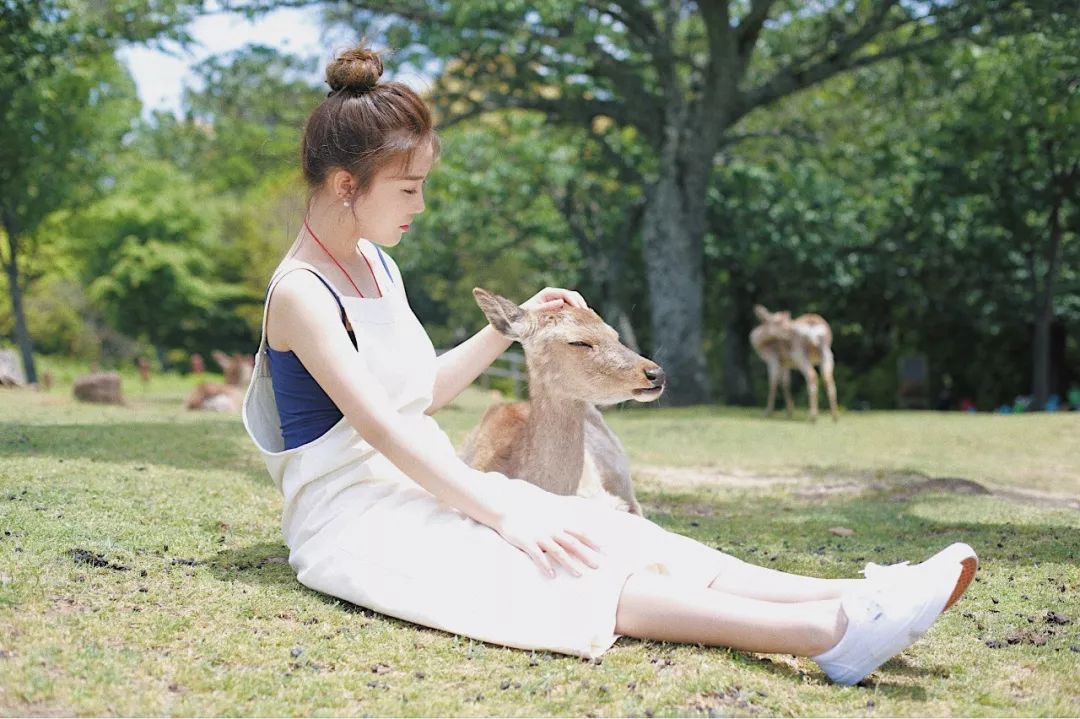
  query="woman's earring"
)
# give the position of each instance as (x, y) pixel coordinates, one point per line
(346, 203)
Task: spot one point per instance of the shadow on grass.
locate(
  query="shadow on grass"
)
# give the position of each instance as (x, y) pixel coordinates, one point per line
(210, 443)
(886, 528)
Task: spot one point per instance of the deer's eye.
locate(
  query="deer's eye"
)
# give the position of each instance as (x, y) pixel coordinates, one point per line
(581, 344)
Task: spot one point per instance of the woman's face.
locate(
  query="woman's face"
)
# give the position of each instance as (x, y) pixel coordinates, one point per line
(396, 195)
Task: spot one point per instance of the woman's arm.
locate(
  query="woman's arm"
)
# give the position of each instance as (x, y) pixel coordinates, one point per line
(459, 367)
(305, 319)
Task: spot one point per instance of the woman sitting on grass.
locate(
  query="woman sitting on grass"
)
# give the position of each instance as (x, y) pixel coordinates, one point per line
(379, 510)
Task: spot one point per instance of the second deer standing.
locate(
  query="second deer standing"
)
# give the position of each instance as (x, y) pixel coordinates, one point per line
(784, 343)
(559, 440)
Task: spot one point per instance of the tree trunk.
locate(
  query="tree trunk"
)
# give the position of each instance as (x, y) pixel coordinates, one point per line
(1040, 357)
(22, 332)
(673, 262)
(1044, 313)
(162, 357)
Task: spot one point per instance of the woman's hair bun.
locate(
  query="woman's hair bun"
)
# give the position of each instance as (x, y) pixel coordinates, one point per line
(356, 71)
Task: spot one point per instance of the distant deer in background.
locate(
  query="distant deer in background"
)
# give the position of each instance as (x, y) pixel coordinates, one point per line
(227, 397)
(801, 343)
(558, 440)
(237, 367)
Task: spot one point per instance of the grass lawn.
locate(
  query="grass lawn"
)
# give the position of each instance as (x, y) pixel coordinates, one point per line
(142, 570)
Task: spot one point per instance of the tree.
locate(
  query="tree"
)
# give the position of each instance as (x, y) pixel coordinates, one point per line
(246, 117)
(152, 255)
(681, 76)
(497, 225)
(56, 55)
(1002, 180)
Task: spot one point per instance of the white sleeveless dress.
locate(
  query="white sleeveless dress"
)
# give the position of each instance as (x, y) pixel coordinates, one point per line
(359, 529)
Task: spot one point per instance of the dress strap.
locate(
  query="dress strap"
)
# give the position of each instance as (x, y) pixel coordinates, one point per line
(292, 267)
(382, 258)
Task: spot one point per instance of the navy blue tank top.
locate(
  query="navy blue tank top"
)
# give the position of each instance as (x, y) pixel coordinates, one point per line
(305, 410)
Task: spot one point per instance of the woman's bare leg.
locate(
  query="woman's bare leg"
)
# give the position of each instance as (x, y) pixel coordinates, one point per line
(662, 608)
(755, 582)
(734, 576)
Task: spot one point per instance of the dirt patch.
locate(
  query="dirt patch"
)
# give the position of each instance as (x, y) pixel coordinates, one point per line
(713, 477)
(900, 486)
(954, 485)
(724, 703)
(85, 556)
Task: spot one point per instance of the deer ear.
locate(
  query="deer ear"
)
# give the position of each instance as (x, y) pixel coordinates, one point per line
(506, 317)
(761, 312)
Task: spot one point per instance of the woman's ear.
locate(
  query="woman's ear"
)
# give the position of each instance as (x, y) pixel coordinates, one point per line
(343, 184)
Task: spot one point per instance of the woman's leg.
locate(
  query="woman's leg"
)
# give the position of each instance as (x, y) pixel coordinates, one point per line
(662, 608)
(734, 576)
(754, 582)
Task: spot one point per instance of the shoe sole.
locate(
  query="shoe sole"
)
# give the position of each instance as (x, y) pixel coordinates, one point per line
(967, 573)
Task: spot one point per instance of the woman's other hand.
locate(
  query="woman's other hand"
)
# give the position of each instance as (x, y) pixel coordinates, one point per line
(550, 536)
(552, 298)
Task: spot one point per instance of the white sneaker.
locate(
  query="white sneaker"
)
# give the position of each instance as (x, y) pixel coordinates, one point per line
(884, 619)
(956, 553)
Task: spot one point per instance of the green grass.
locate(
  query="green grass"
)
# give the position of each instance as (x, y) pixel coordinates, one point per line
(195, 612)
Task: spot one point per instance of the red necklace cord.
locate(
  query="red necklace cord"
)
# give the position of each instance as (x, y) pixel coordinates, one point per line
(343, 270)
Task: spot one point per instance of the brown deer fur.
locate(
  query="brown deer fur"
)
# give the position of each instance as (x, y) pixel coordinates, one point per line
(558, 440)
(214, 397)
(801, 343)
(236, 367)
(228, 397)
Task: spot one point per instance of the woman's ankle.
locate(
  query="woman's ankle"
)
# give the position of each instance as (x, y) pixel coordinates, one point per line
(829, 629)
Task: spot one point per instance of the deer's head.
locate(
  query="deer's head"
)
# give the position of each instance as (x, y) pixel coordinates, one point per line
(573, 354)
(767, 317)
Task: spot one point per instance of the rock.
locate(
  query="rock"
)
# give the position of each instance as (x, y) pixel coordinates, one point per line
(101, 387)
(11, 369)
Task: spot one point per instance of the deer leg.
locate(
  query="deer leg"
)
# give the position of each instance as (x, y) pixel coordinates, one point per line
(788, 402)
(774, 377)
(827, 365)
(811, 385)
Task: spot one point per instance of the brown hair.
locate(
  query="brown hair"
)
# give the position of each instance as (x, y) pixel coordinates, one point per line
(363, 124)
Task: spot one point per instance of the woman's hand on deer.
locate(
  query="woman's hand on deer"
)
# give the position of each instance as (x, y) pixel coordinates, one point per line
(550, 536)
(552, 298)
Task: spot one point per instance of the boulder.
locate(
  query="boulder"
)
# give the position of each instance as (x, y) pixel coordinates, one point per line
(100, 387)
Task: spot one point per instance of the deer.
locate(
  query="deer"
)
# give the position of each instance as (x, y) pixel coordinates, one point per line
(801, 343)
(558, 439)
(227, 397)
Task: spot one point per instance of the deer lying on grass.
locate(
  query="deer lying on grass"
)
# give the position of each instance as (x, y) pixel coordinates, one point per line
(237, 367)
(216, 397)
(785, 344)
(558, 440)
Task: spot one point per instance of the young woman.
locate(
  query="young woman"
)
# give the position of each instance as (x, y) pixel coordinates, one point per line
(379, 510)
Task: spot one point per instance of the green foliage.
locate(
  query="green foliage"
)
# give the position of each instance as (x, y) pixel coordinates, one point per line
(245, 118)
(161, 291)
(65, 104)
(488, 223)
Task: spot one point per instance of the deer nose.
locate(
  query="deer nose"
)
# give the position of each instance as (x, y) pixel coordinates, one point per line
(655, 375)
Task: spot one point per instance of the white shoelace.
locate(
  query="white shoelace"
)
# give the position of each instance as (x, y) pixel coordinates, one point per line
(873, 570)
